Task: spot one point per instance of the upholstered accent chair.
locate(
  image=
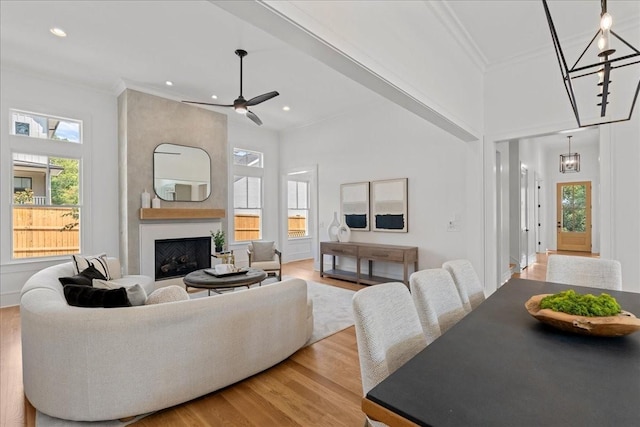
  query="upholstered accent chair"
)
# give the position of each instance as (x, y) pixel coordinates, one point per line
(265, 256)
(388, 331)
(583, 271)
(467, 281)
(437, 301)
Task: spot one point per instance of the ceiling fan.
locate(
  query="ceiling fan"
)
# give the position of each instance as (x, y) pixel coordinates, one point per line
(241, 105)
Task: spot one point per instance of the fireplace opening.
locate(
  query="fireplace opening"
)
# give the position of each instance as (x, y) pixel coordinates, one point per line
(179, 257)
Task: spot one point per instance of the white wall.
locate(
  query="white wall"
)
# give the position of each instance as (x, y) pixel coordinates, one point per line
(384, 141)
(98, 110)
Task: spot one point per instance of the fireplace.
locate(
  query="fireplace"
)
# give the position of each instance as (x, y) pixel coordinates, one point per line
(179, 257)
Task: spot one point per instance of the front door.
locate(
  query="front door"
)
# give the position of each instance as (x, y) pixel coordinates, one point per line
(574, 216)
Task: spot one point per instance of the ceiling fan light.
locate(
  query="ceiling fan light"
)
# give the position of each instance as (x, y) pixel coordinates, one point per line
(240, 109)
(59, 32)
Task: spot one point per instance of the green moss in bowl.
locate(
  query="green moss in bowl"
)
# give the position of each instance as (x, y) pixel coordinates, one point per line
(588, 305)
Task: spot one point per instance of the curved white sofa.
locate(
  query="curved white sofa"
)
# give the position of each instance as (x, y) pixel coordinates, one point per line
(99, 364)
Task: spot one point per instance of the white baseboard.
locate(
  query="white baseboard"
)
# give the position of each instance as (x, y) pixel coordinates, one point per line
(9, 299)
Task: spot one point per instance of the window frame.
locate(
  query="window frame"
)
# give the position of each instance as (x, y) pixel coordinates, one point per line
(298, 208)
(25, 144)
(239, 170)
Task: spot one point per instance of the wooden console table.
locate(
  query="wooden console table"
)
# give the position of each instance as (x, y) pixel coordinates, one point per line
(370, 252)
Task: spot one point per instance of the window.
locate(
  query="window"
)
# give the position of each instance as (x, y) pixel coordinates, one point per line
(45, 127)
(247, 194)
(46, 203)
(298, 208)
(21, 183)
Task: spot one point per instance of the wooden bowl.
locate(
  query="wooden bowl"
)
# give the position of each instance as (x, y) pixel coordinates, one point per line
(607, 326)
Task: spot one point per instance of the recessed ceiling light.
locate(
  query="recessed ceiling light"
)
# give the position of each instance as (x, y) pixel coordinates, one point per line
(214, 96)
(286, 108)
(169, 83)
(59, 32)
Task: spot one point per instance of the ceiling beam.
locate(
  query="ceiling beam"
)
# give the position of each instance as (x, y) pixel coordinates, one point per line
(272, 21)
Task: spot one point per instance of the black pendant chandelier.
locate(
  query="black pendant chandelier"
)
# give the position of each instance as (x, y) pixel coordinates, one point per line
(569, 162)
(596, 96)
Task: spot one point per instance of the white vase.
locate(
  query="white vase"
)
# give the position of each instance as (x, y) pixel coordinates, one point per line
(155, 203)
(344, 233)
(333, 228)
(145, 199)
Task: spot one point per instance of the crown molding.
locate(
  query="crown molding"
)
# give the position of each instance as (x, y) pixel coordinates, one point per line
(457, 31)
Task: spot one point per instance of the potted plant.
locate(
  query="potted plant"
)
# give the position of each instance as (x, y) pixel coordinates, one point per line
(218, 239)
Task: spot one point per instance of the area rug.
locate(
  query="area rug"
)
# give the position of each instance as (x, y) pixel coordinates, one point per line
(331, 314)
(331, 310)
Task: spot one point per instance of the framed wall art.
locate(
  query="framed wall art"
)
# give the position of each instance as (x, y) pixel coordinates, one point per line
(389, 205)
(354, 205)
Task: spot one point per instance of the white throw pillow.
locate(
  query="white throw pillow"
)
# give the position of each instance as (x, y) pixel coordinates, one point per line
(167, 294)
(136, 293)
(262, 251)
(81, 262)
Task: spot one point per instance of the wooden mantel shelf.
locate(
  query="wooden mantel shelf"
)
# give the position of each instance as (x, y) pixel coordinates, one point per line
(181, 213)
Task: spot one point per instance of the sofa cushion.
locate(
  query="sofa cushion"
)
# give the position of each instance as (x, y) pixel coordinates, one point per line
(84, 278)
(167, 294)
(80, 262)
(263, 251)
(135, 292)
(86, 296)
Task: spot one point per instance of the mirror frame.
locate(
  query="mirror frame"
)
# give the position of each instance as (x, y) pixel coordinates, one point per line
(158, 192)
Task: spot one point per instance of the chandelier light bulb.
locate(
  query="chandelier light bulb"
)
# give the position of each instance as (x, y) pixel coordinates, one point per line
(603, 41)
(605, 22)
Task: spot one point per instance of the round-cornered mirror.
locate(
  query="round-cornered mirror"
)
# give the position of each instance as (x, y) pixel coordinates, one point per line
(181, 173)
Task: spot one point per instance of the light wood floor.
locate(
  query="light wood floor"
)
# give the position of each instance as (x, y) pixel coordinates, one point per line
(318, 386)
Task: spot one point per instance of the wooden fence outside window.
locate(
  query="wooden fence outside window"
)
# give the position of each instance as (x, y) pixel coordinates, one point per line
(247, 227)
(40, 231)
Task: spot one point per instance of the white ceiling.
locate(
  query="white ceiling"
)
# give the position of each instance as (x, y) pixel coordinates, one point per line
(192, 43)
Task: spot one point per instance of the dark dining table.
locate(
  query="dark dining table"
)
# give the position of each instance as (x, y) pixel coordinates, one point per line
(499, 366)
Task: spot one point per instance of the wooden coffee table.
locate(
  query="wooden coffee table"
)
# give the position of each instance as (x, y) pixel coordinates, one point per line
(200, 279)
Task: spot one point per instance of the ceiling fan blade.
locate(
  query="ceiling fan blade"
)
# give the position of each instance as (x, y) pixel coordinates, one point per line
(254, 118)
(261, 98)
(206, 103)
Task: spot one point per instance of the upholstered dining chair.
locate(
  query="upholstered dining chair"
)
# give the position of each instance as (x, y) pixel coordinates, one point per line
(388, 332)
(467, 282)
(437, 301)
(583, 271)
(265, 256)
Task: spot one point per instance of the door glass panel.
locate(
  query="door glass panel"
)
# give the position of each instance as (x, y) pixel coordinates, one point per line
(574, 208)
